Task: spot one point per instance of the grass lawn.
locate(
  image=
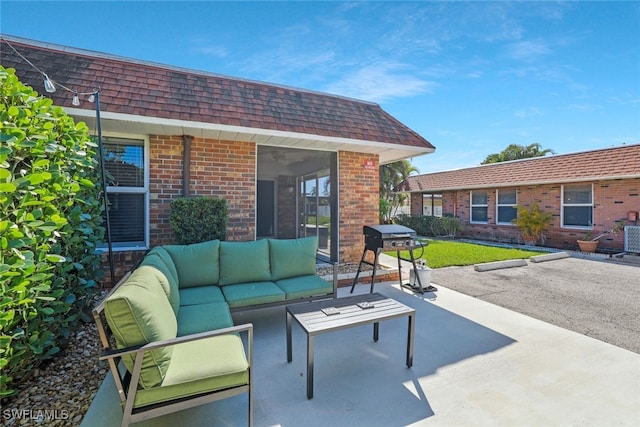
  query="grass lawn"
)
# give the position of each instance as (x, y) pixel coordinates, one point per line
(446, 253)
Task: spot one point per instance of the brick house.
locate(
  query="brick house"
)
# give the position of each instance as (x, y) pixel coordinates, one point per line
(290, 162)
(586, 192)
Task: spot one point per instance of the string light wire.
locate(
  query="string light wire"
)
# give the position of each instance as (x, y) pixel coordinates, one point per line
(50, 84)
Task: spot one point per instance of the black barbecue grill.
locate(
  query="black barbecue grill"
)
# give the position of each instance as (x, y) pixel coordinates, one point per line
(390, 237)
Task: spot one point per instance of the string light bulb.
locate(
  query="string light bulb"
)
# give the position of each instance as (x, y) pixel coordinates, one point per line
(92, 97)
(48, 84)
(76, 99)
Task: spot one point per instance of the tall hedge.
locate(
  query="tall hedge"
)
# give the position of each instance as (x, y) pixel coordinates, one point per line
(50, 224)
(198, 219)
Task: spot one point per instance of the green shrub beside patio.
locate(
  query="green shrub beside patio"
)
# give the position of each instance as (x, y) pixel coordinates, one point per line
(50, 225)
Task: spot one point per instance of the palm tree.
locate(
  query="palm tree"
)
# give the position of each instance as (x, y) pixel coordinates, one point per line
(515, 152)
(391, 175)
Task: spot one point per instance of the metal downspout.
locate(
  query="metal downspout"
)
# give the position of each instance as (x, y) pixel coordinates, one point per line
(186, 164)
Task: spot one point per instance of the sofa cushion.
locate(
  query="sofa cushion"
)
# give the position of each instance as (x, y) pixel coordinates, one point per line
(243, 262)
(292, 257)
(161, 260)
(200, 295)
(200, 366)
(138, 312)
(197, 264)
(194, 319)
(244, 294)
(304, 286)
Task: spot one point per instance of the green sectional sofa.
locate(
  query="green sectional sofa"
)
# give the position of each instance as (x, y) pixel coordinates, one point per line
(169, 323)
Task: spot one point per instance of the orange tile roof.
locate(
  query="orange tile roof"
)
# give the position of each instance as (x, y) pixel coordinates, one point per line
(154, 90)
(607, 163)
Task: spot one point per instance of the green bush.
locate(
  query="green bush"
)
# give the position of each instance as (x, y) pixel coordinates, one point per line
(198, 219)
(50, 224)
(431, 226)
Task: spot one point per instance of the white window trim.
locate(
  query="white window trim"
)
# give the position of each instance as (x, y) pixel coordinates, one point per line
(134, 190)
(563, 204)
(498, 205)
(471, 206)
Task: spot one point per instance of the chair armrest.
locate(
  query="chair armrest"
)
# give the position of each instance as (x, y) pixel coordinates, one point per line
(110, 354)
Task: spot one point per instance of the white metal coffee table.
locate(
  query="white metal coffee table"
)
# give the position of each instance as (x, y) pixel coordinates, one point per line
(318, 317)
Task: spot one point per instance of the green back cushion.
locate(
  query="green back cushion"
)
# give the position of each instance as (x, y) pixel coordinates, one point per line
(160, 259)
(138, 312)
(197, 264)
(244, 262)
(293, 257)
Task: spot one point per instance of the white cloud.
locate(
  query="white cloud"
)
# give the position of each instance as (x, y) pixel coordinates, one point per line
(528, 50)
(215, 51)
(528, 112)
(380, 82)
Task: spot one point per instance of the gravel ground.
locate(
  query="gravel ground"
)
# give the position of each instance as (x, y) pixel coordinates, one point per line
(60, 392)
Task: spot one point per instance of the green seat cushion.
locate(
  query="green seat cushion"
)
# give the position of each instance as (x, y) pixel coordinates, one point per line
(138, 312)
(200, 295)
(196, 264)
(244, 294)
(243, 262)
(160, 259)
(304, 286)
(293, 257)
(194, 319)
(200, 366)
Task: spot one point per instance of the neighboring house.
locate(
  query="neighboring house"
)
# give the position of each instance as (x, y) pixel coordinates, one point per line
(269, 150)
(586, 192)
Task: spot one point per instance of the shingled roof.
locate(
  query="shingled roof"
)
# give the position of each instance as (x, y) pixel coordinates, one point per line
(608, 163)
(143, 89)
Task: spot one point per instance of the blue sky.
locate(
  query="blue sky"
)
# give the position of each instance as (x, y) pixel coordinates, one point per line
(470, 77)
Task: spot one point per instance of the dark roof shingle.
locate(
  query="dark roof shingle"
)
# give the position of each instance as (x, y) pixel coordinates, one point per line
(155, 90)
(607, 163)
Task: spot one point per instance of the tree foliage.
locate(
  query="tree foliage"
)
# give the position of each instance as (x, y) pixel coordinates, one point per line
(50, 224)
(391, 175)
(516, 152)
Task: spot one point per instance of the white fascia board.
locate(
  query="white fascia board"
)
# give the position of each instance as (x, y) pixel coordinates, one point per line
(185, 126)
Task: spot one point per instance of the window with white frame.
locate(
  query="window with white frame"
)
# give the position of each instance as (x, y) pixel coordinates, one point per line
(506, 202)
(479, 206)
(577, 206)
(432, 205)
(126, 167)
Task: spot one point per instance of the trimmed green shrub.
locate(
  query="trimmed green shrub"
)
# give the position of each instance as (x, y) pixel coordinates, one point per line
(50, 224)
(431, 226)
(198, 219)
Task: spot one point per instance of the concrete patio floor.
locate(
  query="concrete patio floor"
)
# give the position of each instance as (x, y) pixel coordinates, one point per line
(475, 363)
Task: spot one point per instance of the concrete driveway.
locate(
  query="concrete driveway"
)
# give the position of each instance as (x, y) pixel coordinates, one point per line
(595, 296)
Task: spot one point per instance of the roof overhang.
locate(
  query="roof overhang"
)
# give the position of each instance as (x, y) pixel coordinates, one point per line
(523, 183)
(142, 125)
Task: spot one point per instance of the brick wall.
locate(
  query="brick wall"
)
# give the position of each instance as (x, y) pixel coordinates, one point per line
(358, 180)
(227, 169)
(612, 200)
(218, 169)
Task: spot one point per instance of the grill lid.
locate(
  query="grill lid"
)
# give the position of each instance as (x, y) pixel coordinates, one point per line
(387, 231)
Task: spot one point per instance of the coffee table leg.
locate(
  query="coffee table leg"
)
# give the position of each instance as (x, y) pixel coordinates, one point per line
(376, 331)
(410, 334)
(310, 350)
(289, 352)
